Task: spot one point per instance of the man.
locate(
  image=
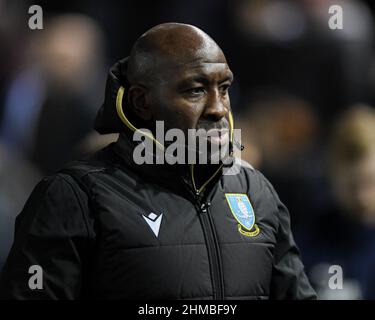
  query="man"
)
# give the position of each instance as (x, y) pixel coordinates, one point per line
(109, 227)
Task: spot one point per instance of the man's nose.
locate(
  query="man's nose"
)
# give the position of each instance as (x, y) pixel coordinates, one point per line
(216, 107)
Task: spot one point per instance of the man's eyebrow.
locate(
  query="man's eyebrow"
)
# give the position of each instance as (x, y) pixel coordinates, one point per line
(228, 78)
(204, 80)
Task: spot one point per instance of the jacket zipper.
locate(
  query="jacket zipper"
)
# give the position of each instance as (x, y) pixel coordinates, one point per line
(212, 243)
(213, 251)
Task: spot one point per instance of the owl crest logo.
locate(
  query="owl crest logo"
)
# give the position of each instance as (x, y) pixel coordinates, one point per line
(243, 212)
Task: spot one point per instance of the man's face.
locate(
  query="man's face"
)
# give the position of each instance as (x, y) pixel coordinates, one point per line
(195, 96)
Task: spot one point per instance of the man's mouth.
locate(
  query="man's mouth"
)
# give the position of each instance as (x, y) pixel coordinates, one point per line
(218, 136)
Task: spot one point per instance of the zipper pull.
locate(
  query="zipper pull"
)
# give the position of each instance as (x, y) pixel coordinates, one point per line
(203, 208)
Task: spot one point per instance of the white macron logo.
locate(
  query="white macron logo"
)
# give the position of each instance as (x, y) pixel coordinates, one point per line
(154, 222)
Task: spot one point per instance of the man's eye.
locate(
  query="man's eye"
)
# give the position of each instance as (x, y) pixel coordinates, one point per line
(196, 91)
(224, 89)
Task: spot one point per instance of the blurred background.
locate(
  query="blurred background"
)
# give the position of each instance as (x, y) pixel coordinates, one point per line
(303, 95)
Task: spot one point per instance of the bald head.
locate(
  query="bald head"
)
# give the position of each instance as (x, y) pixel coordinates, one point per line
(168, 46)
(178, 75)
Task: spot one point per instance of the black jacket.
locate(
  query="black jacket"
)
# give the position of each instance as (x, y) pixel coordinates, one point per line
(105, 227)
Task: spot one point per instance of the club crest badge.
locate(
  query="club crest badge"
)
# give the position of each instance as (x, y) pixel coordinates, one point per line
(243, 212)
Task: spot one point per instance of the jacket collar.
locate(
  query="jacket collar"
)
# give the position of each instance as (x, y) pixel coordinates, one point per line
(167, 174)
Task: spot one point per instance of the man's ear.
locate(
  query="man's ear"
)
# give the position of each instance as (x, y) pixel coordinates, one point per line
(137, 98)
